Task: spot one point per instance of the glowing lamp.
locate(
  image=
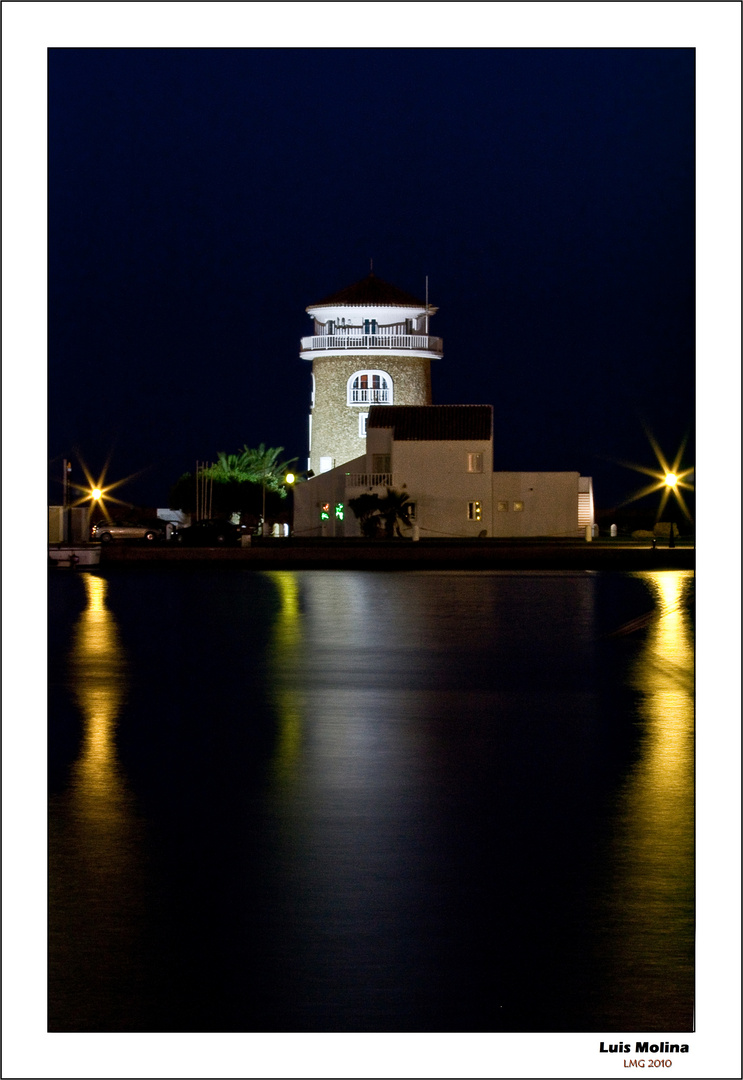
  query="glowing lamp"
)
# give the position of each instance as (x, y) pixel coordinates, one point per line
(290, 478)
(96, 493)
(671, 480)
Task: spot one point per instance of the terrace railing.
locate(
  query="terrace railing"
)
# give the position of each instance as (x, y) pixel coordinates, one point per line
(356, 342)
(369, 480)
(369, 397)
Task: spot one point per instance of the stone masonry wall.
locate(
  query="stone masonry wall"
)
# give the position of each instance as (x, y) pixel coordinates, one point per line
(335, 425)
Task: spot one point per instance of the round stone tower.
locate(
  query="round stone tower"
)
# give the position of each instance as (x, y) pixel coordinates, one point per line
(370, 346)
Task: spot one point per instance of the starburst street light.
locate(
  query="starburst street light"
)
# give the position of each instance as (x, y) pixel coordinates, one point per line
(97, 492)
(668, 480)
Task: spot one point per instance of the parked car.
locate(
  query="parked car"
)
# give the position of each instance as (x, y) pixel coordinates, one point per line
(210, 533)
(107, 531)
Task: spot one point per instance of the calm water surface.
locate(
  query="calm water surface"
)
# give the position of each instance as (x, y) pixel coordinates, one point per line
(357, 801)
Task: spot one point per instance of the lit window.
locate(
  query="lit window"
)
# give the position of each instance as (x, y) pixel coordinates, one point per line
(474, 511)
(369, 388)
(502, 506)
(518, 506)
(474, 463)
(363, 417)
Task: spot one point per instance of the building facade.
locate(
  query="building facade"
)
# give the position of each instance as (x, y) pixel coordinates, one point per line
(370, 346)
(441, 456)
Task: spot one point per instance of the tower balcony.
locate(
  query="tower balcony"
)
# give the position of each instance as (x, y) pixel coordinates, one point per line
(383, 344)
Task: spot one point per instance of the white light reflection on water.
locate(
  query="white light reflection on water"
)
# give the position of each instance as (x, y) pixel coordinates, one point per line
(346, 793)
(649, 912)
(94, 836)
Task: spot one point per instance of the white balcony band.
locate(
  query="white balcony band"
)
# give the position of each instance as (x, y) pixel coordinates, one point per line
(408, 344)
(370, 397)
(368, 480)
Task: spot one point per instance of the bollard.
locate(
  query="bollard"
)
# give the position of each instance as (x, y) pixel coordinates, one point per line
(589, 534)
(613, 530)
(416, 532)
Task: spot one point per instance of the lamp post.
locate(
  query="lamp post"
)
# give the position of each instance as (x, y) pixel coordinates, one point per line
(670, 481)
(289, 481)
(66, 470)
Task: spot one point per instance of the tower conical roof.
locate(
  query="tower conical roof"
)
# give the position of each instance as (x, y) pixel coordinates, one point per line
(370, 291)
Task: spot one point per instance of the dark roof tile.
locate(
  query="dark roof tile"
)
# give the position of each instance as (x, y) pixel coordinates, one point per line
(418, 423)
(372, 290)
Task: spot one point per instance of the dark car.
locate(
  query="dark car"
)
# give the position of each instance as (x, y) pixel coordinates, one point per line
(210, 533)
(107, 531)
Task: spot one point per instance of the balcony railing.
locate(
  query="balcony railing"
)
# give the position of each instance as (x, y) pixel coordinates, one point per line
(368, 480)
(355, 342)
(370, 397)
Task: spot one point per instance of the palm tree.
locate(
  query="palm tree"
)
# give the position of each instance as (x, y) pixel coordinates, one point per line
(387, 511)
(240, 480)
(257, 466)
(367, 511)
(395, 509)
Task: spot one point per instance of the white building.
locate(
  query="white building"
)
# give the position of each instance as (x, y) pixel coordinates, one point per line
(441, 456)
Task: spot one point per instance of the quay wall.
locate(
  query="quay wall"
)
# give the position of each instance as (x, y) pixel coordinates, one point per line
(405, 555)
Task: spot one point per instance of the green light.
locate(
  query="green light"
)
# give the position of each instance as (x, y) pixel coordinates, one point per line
(339, 511)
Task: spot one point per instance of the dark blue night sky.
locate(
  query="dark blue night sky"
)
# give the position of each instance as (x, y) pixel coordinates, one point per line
(199, 200)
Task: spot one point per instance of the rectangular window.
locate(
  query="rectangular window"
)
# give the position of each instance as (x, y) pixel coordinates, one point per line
(518, 506)
(363, 417)
(326, 464)
(502, 506)
(474, 511)
(474, 463)
(381, 463)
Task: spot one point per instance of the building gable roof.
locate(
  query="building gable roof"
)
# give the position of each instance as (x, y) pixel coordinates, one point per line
(371, 291)
(444, 423)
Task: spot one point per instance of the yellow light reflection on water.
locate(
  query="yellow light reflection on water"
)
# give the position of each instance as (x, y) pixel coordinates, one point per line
(286, 644)
(98, 671)
(664, 675)
(652, 857)
(95, 865)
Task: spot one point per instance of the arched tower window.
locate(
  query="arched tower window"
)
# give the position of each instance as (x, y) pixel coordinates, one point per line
(369, 388)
